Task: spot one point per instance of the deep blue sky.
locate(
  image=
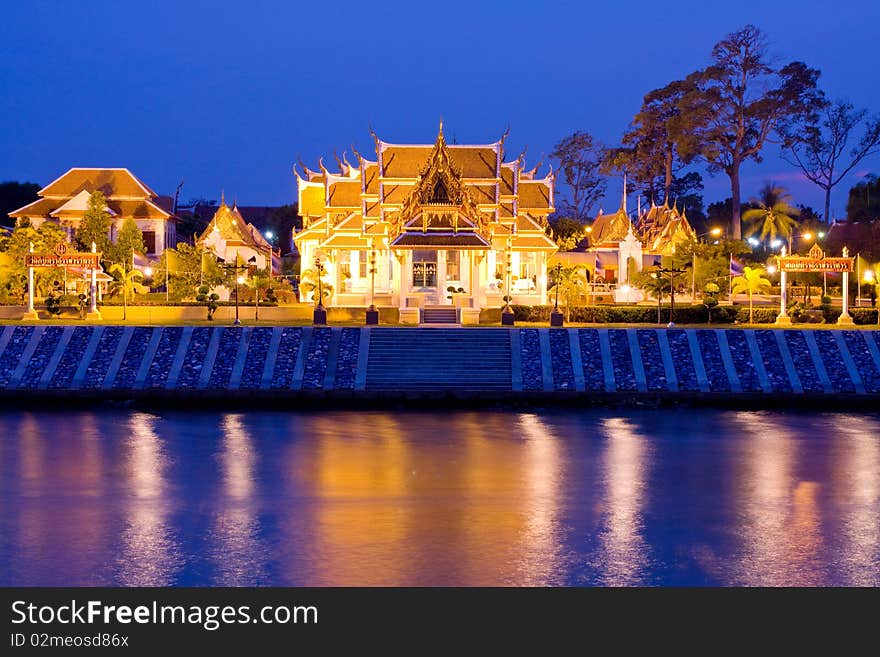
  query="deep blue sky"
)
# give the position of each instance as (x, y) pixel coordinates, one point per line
(228, 94)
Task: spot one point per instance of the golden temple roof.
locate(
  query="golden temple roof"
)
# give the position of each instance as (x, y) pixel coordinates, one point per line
(610, 228)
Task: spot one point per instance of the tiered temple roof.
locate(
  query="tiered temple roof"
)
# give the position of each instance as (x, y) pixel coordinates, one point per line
(231, 227)
(660, 227)
(427, 195)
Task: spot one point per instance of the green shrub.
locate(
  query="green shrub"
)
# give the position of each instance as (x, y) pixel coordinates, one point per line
(761, 315)
(685, 314)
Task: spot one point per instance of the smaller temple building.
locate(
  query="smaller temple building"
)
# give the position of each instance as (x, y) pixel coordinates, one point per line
(66, 199)
(617, 247)
(234, 240)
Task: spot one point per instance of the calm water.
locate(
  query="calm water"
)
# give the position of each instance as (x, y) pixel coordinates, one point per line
(604, 497)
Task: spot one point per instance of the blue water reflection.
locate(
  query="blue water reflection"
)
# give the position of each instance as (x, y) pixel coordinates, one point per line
(380, 498)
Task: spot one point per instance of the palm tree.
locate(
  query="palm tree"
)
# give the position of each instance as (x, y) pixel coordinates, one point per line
(573, 285)
(751, 281)
(258, 281)
(309, 282)
(655, 285)
(774, 215)
(126, 284)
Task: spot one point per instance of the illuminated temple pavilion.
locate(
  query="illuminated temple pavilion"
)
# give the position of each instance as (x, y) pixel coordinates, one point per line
(435, 216)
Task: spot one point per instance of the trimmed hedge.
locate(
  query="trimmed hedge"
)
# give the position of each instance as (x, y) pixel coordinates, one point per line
(697, 314)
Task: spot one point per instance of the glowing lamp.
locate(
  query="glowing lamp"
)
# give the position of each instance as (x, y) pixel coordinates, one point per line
(715, 232)
(240, 280)
(820, 235)
(148, 271)
(868, 276)
(269, 234)
(776, 244)
(753, 241)
(771, 269)
(807, 236)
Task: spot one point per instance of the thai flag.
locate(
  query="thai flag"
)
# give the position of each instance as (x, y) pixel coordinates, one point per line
(736, 266)
(276, 263)
(600, 270)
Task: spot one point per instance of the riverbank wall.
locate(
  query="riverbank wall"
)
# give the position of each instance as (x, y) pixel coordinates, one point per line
(300, 367)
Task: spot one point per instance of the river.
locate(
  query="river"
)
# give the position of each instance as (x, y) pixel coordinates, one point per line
(594, 497)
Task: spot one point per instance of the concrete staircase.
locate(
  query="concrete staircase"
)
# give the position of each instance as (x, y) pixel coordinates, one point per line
(439, 359)
(439, 315)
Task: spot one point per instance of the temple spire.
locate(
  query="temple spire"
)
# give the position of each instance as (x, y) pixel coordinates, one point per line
(623, 205)
(222, 198)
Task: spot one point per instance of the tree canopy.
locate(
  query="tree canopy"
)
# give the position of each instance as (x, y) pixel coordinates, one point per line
(735, 105)
(580, 156)
(819, 145)
(95, 225)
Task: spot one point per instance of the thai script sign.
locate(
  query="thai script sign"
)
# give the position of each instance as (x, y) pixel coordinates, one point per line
(809, 264)
(63, 258)
(816, 261)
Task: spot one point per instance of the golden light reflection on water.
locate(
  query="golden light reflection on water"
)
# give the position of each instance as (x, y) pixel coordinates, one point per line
(624, 465)
(60, 466)
(468, 500)
(236, 548)
(856, 457)
(780, 514)
(149, 553)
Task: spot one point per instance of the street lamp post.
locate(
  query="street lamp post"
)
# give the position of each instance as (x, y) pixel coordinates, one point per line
(372, 312)
(714, 232)
(319, 316)
(235, 268)
(238, 281)
(507, 316)
(556, 316)
(672, 271)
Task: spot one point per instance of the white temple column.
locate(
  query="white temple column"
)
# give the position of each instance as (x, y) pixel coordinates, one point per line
(30, 313)
(845, 319)
(94, 313)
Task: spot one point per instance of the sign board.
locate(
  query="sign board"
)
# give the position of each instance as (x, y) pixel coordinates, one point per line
(63, 258)
(815, 262)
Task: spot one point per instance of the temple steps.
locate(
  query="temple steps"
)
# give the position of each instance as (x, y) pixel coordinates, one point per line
(439, 315)
(439, 359)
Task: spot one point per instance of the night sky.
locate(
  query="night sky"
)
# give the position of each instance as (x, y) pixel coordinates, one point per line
(227, 95)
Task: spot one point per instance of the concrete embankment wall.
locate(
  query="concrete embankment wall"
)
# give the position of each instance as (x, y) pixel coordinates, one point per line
(520, 364)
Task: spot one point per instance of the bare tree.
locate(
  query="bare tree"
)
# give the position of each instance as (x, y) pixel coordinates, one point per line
(818, 146)
(579, 157)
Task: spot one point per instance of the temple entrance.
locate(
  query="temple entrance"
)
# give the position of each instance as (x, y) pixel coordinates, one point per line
(424, 269)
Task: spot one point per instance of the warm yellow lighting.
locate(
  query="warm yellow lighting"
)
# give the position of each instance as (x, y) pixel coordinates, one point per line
(807, 236)
(589, 229)
(869, 276)
(820, 235)
(715, 232)
(771, 269)
(625, 288)
(148, 271)
(241, 280)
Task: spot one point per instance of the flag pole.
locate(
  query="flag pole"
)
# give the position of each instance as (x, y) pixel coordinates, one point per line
(858, 280)
(167, 267)
(730, 278)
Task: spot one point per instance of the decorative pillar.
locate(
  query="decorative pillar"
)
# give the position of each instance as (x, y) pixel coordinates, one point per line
(94, 313)
(30, 314)
(782, 318)
(845, 319)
